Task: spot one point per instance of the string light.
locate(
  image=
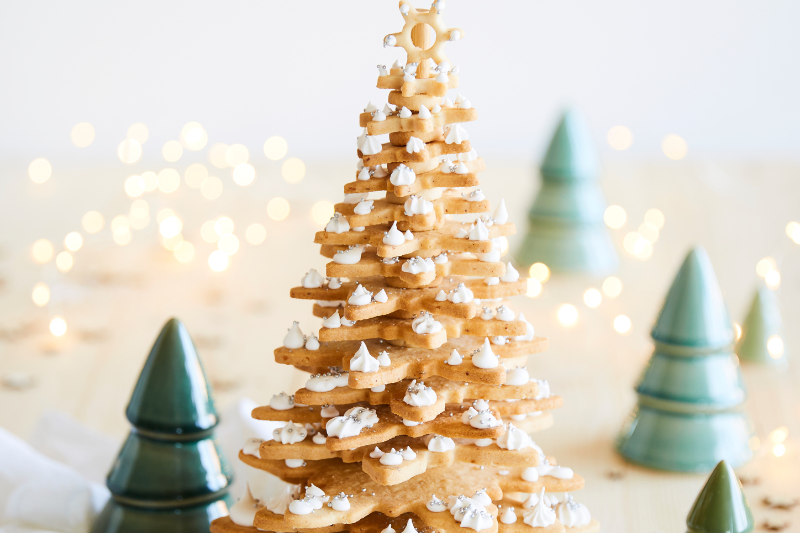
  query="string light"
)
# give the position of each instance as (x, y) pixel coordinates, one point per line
(655, 217)
(793, 231)
(278, 208)
(567, 315)
(236, 154)
(322, 211)
(275, 148)
(778, 450)
(534, 288)
(194, 175)
(120, 230)
(612, 286)
(42, 251)
(150, 180)
(620, 138)
(172, 151)
(208, 231)
(592, 298)
(637, 245)
(540, 272)
(779, 434)
(138, 132)
(212, 187)
(775, 346)
(614, 216)
(622, 324)
(39, 170)
(82, 134)
(649, 232)
(228, 243)
(194, 136)
(73, 241)
(293, 170)
(773, 279)
(674, 147)
(92, 222)
(172, 243)
(218, 260)
(170, 227)
(223, 226)
(169, 180)
(163, 214)
(134, 186)
(765, 265)
(184, 252)
(40, 294)
(129, 151)
(255, 234)
(58, 326)
(64, 261)
(217, 155)
(244, 174)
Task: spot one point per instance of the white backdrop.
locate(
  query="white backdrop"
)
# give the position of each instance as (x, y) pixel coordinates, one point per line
(723, 74)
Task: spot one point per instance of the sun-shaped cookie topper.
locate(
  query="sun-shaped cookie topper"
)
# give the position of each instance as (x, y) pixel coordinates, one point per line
(432, 17)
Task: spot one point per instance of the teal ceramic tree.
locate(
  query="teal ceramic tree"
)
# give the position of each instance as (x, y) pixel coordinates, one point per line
(721, 506)
(690, 397)
(170, 475)
(565, 225)
(763, 322)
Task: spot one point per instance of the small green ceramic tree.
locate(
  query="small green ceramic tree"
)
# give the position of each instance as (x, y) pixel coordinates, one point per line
(566, 230)
(170, 475)
(721, 507)
(763, 322)
(690, 397)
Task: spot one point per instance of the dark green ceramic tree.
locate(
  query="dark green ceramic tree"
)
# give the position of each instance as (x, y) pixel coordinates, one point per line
(566, 230)
(689, 414)
(721, 506)
(170, 475)
(763, 322)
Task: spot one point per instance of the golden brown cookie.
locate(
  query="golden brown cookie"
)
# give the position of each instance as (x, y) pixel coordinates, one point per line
(429, 180)
(400, 154)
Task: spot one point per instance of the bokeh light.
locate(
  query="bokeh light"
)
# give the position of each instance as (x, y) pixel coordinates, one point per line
(138, 132)
(622, 324)
(172, 243)
(793, 231)
(58, 326)
(255, 234)
(73, 241)
(64, 261)
(92, 222)
(275, 148)
(169, 180)
(42, 251)
(194, 136)
(737, 329)
(620, 138)
(170, 227)
(40, 294)
(218, 260)
(223, 226)
(779, 434)
(567, 315)
(228, 243)
(172, 151)
(322, 211)
(773, 279)
(208, 231)
(534, 288)
(216, 155)
(236, 154)
(39, 170)
(129, 151)
(615, 216)
(674, 147)
(612, 286)
(775, 346)
(278, 208)
(134, 186)
(184, 252)
(150, 180)
(293, 170)
(139, 214)
(539, 271)
(212, 187)
(649, 232)
(195, 174)
(765, 265)
(592, 298)
(655, 217)
(244, 174)
(82, 134)
(637, 245)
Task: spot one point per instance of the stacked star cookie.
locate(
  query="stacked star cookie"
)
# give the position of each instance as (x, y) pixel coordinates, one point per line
(418, 408)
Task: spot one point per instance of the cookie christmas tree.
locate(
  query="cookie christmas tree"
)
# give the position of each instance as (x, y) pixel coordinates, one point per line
(762, 323)
(417, 409)
(566, 230)
(721, 507)
(170, 474)
(690, 397)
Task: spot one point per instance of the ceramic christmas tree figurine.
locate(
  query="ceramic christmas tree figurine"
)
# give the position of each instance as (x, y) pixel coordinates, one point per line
(762, 324)
(566, 230)
(418, 405)
(690, 397)
(170, 474)
(721, 507)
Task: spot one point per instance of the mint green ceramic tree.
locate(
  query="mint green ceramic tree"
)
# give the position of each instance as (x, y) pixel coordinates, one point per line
(690, 397)
(170, 475)
(763, 322)
(721, 507)
(565, 224)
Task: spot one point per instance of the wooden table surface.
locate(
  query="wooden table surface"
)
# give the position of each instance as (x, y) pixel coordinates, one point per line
(116, 298)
